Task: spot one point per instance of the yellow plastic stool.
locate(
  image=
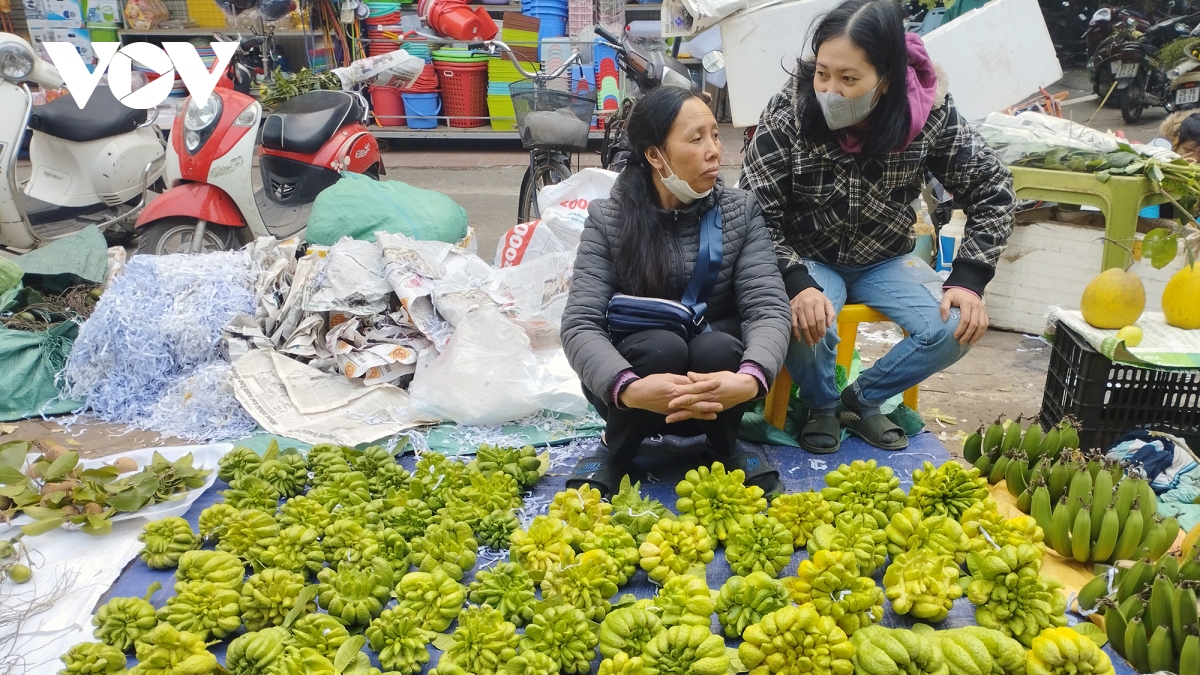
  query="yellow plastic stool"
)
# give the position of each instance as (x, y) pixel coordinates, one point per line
(775, 407)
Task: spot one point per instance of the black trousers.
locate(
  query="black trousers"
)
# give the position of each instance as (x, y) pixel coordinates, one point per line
(659, 351)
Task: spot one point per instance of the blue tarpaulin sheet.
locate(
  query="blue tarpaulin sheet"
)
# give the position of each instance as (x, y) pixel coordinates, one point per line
(660, 467)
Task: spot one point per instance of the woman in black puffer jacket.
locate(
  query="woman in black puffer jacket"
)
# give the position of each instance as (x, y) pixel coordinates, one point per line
(644, 241)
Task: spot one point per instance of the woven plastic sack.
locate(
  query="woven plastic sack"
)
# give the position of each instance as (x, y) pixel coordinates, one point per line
(10, 282)
(357, 206)
(31, 360)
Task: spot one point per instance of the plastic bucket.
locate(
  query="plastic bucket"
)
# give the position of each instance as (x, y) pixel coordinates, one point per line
(458, 23)
(388, 105)
(422, 110)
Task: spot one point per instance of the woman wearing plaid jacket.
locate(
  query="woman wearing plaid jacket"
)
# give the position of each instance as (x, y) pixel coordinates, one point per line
(838, 157)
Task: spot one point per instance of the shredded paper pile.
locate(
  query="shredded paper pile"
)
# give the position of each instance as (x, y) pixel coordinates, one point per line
(150, 356)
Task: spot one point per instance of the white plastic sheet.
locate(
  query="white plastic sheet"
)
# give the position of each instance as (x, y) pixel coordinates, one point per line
(488, 374)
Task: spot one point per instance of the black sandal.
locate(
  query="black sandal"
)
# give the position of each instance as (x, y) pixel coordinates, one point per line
(758, 470)
(821, 427)
(598, 472)
(872, 429)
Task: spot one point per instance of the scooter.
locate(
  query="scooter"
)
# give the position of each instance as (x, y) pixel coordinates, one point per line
(1185, 77)
(211, 203)
(1141, 81)
(89, 167)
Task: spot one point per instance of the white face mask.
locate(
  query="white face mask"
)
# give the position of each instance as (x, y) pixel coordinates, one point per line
(678, 186)
(841, 112)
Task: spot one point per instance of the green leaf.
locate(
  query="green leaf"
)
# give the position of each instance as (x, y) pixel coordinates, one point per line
(543, 463)
(306, 595)
(11, 476)
(43, 526)
(443, 642)
(1103, 176)
(348, 652)
(41, 513)
(272, 450)
(1160, 245)
(61, 466)
(13, 491)
(96, 526)
(1156, 174)
(127, 502)
(1092, 631)
(102, 474)
(13, 453)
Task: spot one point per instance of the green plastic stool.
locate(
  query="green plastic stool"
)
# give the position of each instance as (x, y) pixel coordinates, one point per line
(1120, 199)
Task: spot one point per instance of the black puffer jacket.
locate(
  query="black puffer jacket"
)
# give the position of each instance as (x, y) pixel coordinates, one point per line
(748, 299)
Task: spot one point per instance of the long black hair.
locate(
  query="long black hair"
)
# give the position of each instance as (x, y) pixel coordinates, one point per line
(877, 28)
(642, 268)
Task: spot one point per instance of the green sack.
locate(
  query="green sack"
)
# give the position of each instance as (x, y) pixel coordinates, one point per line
(10, 282)
(31, 360)
(357, 206)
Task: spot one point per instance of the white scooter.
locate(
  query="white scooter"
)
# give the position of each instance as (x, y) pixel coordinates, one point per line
(89, 167)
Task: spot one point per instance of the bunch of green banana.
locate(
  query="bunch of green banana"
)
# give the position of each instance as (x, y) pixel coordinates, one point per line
(1095, 521)
(1003, 447)
(1151, 615)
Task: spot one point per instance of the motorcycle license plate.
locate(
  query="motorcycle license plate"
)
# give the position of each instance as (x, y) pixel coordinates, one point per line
(1185, 96)
(1122, 70)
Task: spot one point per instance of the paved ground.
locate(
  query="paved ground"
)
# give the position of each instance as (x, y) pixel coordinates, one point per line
(1003, 375)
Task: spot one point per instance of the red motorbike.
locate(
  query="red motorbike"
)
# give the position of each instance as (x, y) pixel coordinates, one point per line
(212, 203)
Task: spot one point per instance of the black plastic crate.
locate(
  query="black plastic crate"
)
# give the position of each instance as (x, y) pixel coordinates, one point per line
(1110, 399)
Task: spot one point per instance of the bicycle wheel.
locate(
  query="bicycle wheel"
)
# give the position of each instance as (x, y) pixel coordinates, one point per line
(547, 172)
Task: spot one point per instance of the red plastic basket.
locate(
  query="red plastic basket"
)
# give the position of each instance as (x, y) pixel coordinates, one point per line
(464, 93)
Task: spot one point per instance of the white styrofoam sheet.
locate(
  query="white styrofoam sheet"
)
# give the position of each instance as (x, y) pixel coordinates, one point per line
(761, 48)
(995, 56)
(1047, 265)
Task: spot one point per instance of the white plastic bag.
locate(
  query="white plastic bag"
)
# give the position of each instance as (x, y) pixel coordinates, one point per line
(564, 209)
(489, 375)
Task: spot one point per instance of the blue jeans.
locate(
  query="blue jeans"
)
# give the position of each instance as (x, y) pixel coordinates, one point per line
(909, 293)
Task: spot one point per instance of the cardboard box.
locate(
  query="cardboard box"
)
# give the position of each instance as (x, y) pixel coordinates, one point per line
(104, 12)
(78, 36)
(34, 9)
(64, 10)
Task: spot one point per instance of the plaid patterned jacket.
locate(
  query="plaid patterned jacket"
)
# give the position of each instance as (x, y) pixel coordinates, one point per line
(824, 204)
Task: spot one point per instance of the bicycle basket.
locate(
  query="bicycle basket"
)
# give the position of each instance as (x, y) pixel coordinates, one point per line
(549, 118)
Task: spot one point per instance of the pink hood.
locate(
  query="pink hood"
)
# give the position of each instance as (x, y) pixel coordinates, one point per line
(922, 93)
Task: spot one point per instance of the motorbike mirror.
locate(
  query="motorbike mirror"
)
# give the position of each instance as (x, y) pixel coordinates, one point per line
(713, 61)
(607, 36)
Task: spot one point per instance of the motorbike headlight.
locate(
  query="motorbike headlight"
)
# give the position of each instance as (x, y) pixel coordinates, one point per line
(200, 116)
(16, 62)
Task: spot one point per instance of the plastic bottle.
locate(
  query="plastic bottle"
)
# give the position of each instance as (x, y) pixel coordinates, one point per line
(949, 239)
